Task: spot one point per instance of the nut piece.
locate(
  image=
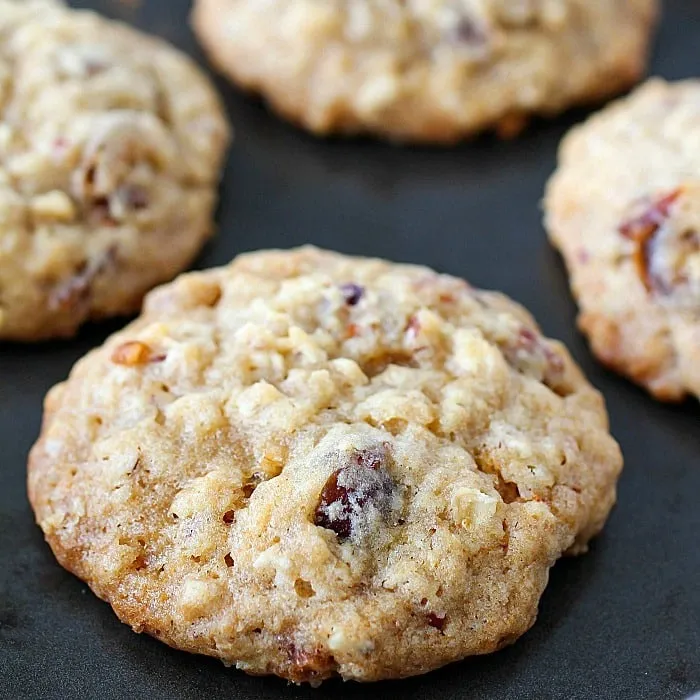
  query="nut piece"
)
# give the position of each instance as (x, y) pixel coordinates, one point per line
(472, 508)
(135, 353)
(53, 206)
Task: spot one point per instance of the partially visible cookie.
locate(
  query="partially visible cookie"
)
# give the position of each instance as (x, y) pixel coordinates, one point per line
(110, 149)
(624, 209)
(426, 70)
(311, 465)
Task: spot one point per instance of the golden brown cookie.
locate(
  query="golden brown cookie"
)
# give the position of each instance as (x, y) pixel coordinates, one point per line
(426, 70)
(624, 209)
(110, 149)
(308, 464)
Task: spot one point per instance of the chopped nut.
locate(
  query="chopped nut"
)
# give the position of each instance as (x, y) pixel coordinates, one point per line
(134, 353)
(196, 596)
(53, 206)
(27, 165)
(304, 589)
(273, 460)
(473, 508)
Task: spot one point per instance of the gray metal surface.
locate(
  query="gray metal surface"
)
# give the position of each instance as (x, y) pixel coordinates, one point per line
(622, 622)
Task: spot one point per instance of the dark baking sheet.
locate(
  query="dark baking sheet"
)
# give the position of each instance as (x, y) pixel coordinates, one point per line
(622, 622)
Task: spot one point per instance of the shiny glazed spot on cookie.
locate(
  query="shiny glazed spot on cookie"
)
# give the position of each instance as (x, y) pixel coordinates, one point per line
(360, 496)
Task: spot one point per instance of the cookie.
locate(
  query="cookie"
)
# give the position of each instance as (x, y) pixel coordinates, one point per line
(624, 209)
(110, 150)
(426, 70)
(312, 465)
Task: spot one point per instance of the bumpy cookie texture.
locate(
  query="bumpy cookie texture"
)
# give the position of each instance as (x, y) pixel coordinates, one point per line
(624, 209)
(426, 70)
(110, 148)
(308, 464)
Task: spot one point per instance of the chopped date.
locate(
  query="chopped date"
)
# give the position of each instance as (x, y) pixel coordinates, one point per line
(352, 293)
(642, 229)
(437, 620)
(308, 665)
(74, 292)
(357, 494)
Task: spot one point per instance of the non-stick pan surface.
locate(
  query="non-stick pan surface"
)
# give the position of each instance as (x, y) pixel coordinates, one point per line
(622, 622)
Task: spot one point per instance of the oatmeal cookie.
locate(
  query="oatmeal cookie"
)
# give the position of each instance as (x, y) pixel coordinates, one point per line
(426, 70)
(309, 465)
(110, 149)
(624, 209)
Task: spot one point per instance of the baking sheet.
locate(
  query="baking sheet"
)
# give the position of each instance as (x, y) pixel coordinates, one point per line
(622, 622)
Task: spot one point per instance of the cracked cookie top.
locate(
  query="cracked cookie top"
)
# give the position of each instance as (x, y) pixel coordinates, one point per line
(110, 149)
(310, 464)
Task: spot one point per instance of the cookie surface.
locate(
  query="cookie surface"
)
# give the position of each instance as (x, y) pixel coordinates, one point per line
(624, 209)
(309, 464)
(426, 70)
(110, 149)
